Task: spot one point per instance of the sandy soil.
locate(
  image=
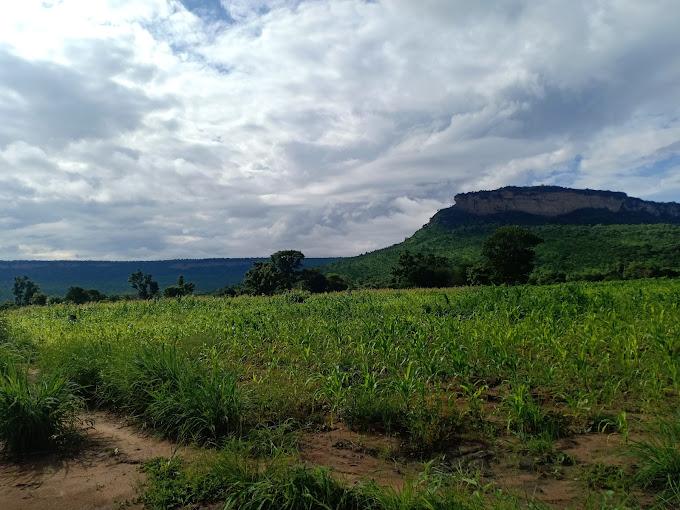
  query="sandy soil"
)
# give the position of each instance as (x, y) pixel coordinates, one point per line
(105, 474)
(355, 457)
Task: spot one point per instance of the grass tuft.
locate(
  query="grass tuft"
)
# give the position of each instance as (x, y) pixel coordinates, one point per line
(659, 458)
(36, 416)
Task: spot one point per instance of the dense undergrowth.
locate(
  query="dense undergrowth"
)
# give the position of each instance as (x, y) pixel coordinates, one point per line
(37, 413)
(537, 363)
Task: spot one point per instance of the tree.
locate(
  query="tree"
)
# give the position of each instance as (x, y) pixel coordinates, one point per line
(263, 278)
(24, 289)
(39, 299)
(312, 280)
(336, 283)
(79, 295)
(181, 289)
(144, 284)
(277, 275)
(283, 272)
(287, 261)
(421, 270)
(509, 254)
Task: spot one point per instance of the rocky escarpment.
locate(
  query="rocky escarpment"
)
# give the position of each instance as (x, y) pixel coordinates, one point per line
(553, 204)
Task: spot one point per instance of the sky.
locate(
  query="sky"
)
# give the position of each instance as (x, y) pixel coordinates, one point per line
(156, 129)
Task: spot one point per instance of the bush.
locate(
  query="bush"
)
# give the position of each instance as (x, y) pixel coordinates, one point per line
(183, 397)
(81, 362)
(659, 457)
(36, 416)
(79, 296)
(243, 485)
(421, 270)
(509, 254)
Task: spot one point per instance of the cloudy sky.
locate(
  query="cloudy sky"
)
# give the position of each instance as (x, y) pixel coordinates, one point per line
(149, 129)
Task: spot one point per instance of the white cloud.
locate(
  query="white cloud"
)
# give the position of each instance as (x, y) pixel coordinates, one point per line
(229, 128)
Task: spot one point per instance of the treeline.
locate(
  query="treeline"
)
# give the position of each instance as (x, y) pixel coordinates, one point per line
(26, 292)
(507, 258)
(283, 272)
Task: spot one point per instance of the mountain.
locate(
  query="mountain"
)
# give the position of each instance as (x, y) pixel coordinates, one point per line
(584, 231)
(55, 277)
(541, 205)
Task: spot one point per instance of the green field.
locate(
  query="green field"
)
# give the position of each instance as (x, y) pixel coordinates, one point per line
(527, 372)
(576, 250)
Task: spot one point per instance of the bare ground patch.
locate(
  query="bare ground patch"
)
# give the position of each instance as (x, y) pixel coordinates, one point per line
(355, 456)
(104, 474)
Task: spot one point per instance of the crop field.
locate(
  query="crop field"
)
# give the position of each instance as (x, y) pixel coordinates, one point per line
(491, 397)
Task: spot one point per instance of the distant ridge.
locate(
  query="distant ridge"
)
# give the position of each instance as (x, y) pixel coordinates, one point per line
(110, 277)
(538, 205)
(586, 232)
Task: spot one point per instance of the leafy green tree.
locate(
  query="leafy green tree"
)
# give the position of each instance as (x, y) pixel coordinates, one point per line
(278, 275)
(263, 278)
(79, 295)
(312, 280)
(144, 284)
(286, 264)
(283, 272)
(509, 254)
(39, 299)
(181, 289)
(336, 283)
(24, 289)
(421, 270)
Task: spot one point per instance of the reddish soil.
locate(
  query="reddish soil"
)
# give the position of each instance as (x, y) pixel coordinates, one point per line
(355, 457)
(105, 474)
(557, 485)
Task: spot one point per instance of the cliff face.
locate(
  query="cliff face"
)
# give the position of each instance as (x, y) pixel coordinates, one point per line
(547, 204)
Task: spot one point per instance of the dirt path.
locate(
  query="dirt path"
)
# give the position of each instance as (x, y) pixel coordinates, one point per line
(105, 474)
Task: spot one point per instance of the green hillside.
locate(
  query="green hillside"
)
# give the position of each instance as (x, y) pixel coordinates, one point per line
(572, 249)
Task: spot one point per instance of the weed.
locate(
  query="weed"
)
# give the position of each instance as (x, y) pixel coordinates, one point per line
(659, 457)
(242, 484)
(527, 418)
(604, 476)
(179, 396)
(36, 416)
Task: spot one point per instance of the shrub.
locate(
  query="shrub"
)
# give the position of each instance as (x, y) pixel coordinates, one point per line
(659, 457)
(36, 416)
(183, 397)
(421, 270)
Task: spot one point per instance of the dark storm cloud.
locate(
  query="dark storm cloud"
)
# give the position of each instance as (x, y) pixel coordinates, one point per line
(48, 104)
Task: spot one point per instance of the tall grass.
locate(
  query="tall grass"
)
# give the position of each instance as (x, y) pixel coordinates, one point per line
(239, 483)
(659, 459)
(36, 416)
(180, 394)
